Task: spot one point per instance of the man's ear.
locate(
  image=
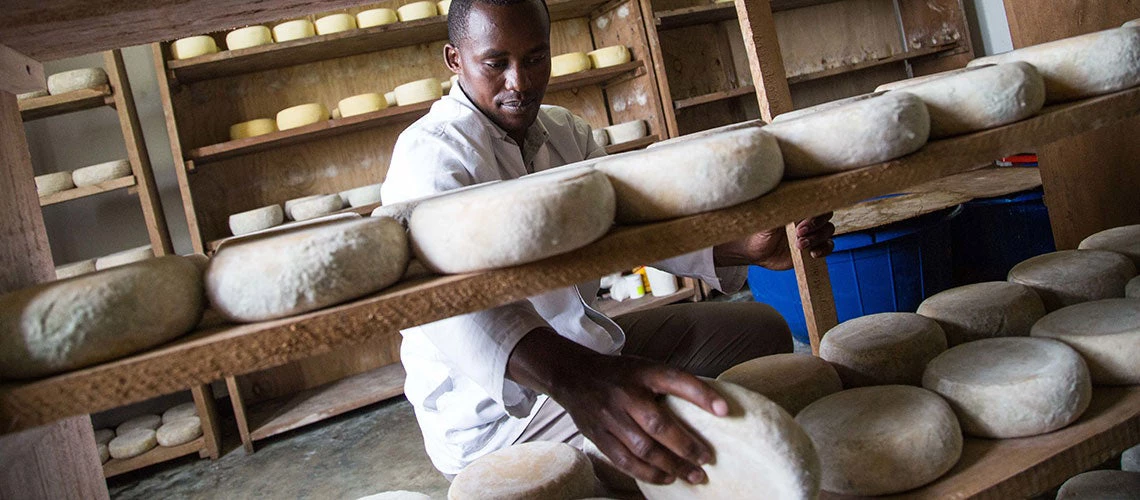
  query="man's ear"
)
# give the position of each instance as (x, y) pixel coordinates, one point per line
(451, 58)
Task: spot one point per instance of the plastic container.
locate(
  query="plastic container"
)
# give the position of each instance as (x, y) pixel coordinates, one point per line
(992, 235)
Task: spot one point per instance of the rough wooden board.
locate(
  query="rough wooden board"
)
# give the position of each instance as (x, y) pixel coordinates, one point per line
(25, 255)
(985, 183)
(637, 97)
(614, 149)
(188, 207)
(20, 73)
(156, 455)
(884, 211)
(82, 192)
(52, 462)
(52, 105)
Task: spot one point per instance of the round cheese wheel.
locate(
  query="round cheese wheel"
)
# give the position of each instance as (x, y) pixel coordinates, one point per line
(76, 79)
(178, 432)
(32, 95)
(129, 256)
(900, 84)
(391, 98)
(104, 452)
(446, 86)
(360, 104)
(132, 444)
(854, 135)
(536, 216)
(1124, 240)
(881, 440)
(292, 203)
(376, 17)
(1101, 485)
(759, 451)
(1132, 290)
(541, 470)
(252, 128)
(1135, 23)
(179, 412)
(626, 132)
(1130, 459)
(609, 475)
(304, 269)
(811, 110)
(301, 115)
(316, 207)
(293, 30)
(443, 6)
(147, 421)
(424, 90)
(249, 36)
(790, 380)
(102, 172)
(1106, 333)
(1011, 387)
(1070, 277)
(984, 310)
(53, 183)
(568, 64)
(1081, 66)
(75, 269)
(104, 436)
(417, 10)
(882, 349)
(397, 495)
(364, 195)
(194, 46)
(694, 176)
(609, 56)
(335, 23)
(256, 219)
(600, 136)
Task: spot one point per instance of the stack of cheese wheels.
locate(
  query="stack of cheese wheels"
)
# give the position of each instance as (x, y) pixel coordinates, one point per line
(298, 270)
(194, 46)
(853, 135)
(363, 195)
(694, 176)
(335, 23)
(1101, 484)
(185, 410)
(53, 183)
(249, 36)
(1073, 276)
(417, 10)
(301, 115)
(252, 128)
(760, 450)
(178, 432)
(810, 110)
(132, 443)
(792, 381)
(881, 440)
(1132, 290)
(537, 470)
(256, 219)
(626, 132)
(316, 207)
(1106, 333)
(1124, 240)
(145, 421)
(124, 257)
(76, 79)
(70, 324)
(376, 17)
(428, 89)
(293, 30)
(362, 103)
(609, 56)
(984, 310)
(882, 349)
(75, 269)
(1011, 387)
(536, 216)
(102, 172)
(1081, 66)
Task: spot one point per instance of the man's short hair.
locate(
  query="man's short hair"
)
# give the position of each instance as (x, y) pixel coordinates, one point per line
(459, 11)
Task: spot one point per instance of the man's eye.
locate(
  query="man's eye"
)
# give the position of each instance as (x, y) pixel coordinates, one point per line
(496, 64)
(537, 59)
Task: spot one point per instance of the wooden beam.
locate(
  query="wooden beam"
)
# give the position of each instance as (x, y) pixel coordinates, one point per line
(25, 256)
(20, 73)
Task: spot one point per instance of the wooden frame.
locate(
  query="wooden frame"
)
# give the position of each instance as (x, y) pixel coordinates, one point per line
(206, 446)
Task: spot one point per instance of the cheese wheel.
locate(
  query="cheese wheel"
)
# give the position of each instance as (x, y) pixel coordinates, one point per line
(316, 207)
(186, 48)
(542, 470)
(881, 440)
(293, 30)
(335, 23)
(626, 132)
(132, 444)
(104, 436)
(360, 104)
(901, 84)
(397, 495)
(854, 135)
(1101, 485)
(364, 195)
(1081, 66)
(612, 478)
(1106, 333)
(568, 64)
(693, 177)
(1070, 277)
(443, 6)
(417, 10)
(1135, 23)
(600, 136)
(289, 272)
(292, 203)
(32, 95)
(1011, 387)
(391, 98)
(882, 349)
(811, 110)
(301, 115)
(609, 56)
(76, 79)
(256, 219)
(535, 217)
(984, 310)
(424, 90)
(249, 36)
(185, 410)
(102, 172)
(402, 211)
(104, 452)
(759, 451)
(124, 257)
(53, 183)
(1124, 240)
(178, 432)
(252, 128)
(376, 17)
(1132, 290)
(147, 421)
(75, 269)
(335, 114)
(1130, 459)
(790, 380)
(446, 86)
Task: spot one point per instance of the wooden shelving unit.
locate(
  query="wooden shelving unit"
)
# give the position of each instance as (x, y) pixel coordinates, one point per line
(206, 445)
(53, 105)
(82, 192)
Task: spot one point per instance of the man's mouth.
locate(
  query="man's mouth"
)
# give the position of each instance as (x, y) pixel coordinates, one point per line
(517, 105)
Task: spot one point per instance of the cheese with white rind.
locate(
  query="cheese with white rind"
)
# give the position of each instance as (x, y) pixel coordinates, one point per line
(104, 436)
(1130, 459)
(376, 17)
(101, 172)
(900, 84)
(854, 135)
(391, 98)
(316, 207)
(363, 195)
(293, 30)
(882, 349)
(1011, 387)
(626, 132)
(606, 57)
(124, 257)
(301, 115)
(982, 99)
(32, 95)
(695, 176)
(790, 380)
(568, 64)
(418, 91)
(1132, 290)
(76, 79)
(402, 211)
(541, 470)
(417, 10)
(147, 421)
(132, 444)
(53, 183)
(1124, 240)
(256, 219)
(984, 310)
(1070, 277)
(759, 451)
(600, 136)
(712, 131)
(360, 104)
(194, 46)
(104, 452)
(1135, 23)
(1101, 485)
(179, 412)
(811, 110)
(882, 440)
(249, 36)
(335, 23)
(292, 203)
(75, 269)
(179, 431)
(1081, 66)
(252, 128)
(1106, 333)
(290, 272)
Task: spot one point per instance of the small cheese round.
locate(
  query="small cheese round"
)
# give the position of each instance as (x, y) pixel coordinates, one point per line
(1124, 240)
(256, 219)
(984, 310)
(132, 444)
(1011, 387)
(249, 36)
(376, 17)
(882, 349)
(601, 137)
(1106, 333)
(626, 132)
(391, 98)
(694, 176)
(802, 112)
(75, 269)
(402, 211)
(178, 432)
(194, 46)
(32, 95)
(443, 6)
(568, 64)
(104, 452)
(1070, 277)
(881, 440)
(53, 183)
(1101, 485)
(124, 257)
(102, 172)
(293, 30)
(76, 79)
(184, 410)
(363, 195)
(360, 104)
(424, 90)
(1132, 290)
(301, 115)
(542, 470)
(293, 203)
(1130, 459)
(790, 380)
(335, 23)
(252, 128)
(147, 421)
(417, 10)
(316, 207)
(609, 56)
(104, 436)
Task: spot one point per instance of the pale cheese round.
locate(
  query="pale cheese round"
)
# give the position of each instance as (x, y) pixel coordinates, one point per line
(1101, 485)
(802, 112)
(292, 203)
(417, 10)
(179, 431)
(249, 36)
(256, 219)
(1132, 290)
(540, 470)
(568, 64)
(1135, 23)
(252, 128)
(984, 310)
(186, 48)
(102, 172)
(76, 79)
(418, 91)
(1130, 459)
(600, 136)
(301, 115)
(32, 95)
(1124, 240)
(609, 475)
(443, 6)
(316, 207)
(881, 440)
(132, 444)
(391, 98)
(335, 23)
(363, 195)
(609, 56)
(626, 132)
(882, 349)
(376, 17)
(1070, 277)
(1106, 333)
(335, 114)
(977, 100)
(53, 183)
(124, 257)
(147, 421)
(695, 176)
(293, 30)
(75, 269)
(900, 84)
(104, 452)
(184, 410)
(402, 211)
(360, 104)
(790, 380)
(104, 436)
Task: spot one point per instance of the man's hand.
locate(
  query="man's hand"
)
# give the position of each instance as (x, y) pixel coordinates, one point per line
(769, 249)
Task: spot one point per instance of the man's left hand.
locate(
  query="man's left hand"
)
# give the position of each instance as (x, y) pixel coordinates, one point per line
(770, 249)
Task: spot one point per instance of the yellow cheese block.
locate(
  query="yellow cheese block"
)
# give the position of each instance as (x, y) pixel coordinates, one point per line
(391, 98)
(567, 64)
(445, 86)
(252, 128)
(443, 6)
(336, 114)
(376, 17)
(194, 46)
(249, 36)
(293, 30)
(360, 104)
(417, 10)
(609, 56)
(299, 116)
(428, 89)
(335, 23)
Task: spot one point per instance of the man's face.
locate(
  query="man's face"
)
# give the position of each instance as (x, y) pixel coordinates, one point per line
(504, 62)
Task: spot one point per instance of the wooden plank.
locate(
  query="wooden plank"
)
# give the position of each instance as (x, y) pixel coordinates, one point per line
(85, 191)
(53, 105)
(714, 97)
(613, 308)
(25, 255)
(706, 14)
(20, 73)
(157, 455)
(638, 97)
(661, 75)
(208, 416)
(911, 55)
(188, 207)
(52, 462)
(237, 400)
(614, 149)
(595, 76)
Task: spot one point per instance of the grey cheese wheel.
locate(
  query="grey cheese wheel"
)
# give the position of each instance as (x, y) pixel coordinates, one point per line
(363, 195)
(792, 381)
(295, 271)
(882, 349)
(102, 172)
(539, 470)
(984, 310)
(759, 451)
(854, 135)
(881, 440)
(132, 443)
(77, 79)
(402, 211)
(512, 222)
(1130, 459)
(104, 452)
(256, 220)
(1101, 485)
(1124, 240)
(829, 105)
(1011, 387)
(1132, 289)
(179, 432)
(184, 410)
(1070, 277)
(1081, 66)
(129, 256)
(292, 203)
(70, 324)
(710, 132)
(104, 436)
(316, 207)
(1106, 333)
(53, 183)
(148, 421)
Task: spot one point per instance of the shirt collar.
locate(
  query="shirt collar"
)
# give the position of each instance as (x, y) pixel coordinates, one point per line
(536, 135)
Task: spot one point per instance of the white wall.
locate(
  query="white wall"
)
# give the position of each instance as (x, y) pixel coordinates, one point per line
(992, 26)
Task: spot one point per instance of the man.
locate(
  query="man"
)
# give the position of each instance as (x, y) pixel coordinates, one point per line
(550, 367)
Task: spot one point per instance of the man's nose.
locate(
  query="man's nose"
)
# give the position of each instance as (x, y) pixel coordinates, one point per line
(517, 78)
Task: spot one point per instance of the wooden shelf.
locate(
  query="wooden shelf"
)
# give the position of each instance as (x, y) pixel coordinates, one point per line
(158, 454)
(602, 76)
(714, 97)
(613, 308)
(76, 193)
(614, 149)
(52, 105)
(712, 13)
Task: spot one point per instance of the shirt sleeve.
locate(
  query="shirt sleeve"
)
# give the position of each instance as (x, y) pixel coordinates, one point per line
(699, 265)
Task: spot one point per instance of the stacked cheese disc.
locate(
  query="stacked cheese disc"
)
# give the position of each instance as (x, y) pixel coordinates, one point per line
(1070, 277)
(293, 30)
(249, 36)
(376, 17)
(535, 470)
(883, 349)
(180, 425)
(626, 132)
(1106, 333)
(417, 10)
(76, 79)
(102, 172)
(53, 183)
(363, 195)
(984, 310)
(194, 46)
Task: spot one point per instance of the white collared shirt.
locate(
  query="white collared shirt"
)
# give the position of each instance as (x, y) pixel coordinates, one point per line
(456, 367)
